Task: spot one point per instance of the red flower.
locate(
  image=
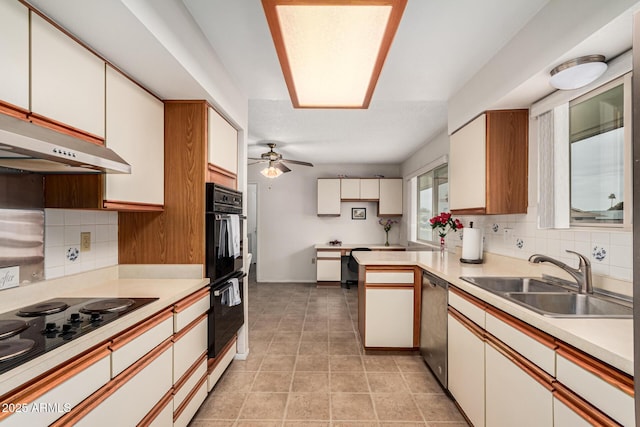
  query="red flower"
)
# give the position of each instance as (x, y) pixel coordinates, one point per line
(444, 220)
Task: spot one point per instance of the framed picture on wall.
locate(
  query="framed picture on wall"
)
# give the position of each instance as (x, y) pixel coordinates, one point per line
(358, 213)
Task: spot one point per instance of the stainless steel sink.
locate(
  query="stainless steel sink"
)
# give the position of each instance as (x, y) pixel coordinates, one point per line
(501, 285)
(570, 305)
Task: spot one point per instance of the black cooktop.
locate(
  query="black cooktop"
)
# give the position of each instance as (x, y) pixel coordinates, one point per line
(31, 331)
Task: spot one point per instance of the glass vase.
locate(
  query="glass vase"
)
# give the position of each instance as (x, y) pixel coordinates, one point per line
(443, 247)
(386, 243)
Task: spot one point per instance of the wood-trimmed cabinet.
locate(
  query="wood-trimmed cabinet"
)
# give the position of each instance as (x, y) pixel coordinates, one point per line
(387, 192)
(14, 85)
(389, 307)
(222, 150)
(356, 189)
(504, 372)
(390, 201)
(488, 164)
(328, 197)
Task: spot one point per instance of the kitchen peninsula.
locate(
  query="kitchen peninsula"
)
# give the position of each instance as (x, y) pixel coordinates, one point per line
(561, 365)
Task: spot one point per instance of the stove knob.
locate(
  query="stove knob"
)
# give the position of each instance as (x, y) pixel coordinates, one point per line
(75, 317)
(50, 327)
(66, 328)
(96, 317)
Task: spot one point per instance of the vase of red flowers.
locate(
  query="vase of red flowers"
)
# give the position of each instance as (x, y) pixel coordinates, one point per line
(387, 224)
(443, 223)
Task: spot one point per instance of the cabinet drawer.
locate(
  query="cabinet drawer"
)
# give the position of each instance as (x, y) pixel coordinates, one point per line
(569, 410)
(161, 415)
(526, 340)
(466, 306)
(190, 308)
(598, 384)
(328, 254)
(221, 364)
(189, 381)
(63, 389)
(138, 341)
(390, 277)
(133, 394)
(188, 346)
(183, 414)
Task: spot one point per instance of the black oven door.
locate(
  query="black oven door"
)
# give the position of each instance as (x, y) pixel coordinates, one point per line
(221, 261)
(224, 320)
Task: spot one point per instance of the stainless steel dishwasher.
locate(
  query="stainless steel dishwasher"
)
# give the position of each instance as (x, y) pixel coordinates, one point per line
(433, 327)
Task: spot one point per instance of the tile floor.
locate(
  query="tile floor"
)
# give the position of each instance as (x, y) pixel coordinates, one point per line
(306, 368)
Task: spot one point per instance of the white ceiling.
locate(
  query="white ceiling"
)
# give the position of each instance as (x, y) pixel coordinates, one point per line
(172, 46)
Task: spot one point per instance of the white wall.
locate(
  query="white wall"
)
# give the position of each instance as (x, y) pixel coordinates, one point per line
(288, 226)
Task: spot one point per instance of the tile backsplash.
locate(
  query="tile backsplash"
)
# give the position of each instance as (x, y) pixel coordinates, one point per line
(62, 250)
(518, 236)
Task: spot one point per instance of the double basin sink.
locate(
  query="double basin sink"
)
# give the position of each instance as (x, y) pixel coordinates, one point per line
(550, 299)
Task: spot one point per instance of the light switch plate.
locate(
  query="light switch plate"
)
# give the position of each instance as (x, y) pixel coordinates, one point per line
(85, 241)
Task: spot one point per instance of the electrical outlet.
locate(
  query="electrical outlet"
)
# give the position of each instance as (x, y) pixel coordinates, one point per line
(85, 241)
(507, 234)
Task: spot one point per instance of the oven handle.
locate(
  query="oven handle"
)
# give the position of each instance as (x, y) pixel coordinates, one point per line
(218, 292)
(227, 216)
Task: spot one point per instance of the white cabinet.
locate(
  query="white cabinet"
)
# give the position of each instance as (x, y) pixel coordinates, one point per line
(14, 51)
(67, 80)
(329, 196)
(359, 189)
(223, 143)
(328, 266)
(390, 202)
(514, 397)
(389, 317)
(466, 366)
(135, 130)
(488, 164)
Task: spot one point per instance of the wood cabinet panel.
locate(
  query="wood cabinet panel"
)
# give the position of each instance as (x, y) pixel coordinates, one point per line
(135, 130)
(67, 81)
(390, 202)
(329, 196)
(14, 51)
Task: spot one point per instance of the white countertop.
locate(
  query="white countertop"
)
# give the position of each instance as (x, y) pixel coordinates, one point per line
(109, 282)
(610, 340)
(348, 246)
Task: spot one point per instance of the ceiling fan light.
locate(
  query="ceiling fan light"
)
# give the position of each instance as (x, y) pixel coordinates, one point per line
(271, 172)
(578, 72)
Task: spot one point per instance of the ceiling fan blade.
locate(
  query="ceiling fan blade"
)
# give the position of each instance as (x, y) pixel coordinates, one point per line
(257, 158)
(258, 162)
(282, 167)
(297, 162)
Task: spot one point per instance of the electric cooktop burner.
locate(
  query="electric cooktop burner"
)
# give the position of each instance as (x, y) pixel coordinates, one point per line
(47, 307)
(9, 328)
(14, 348)
(32, 331)
(107, 305)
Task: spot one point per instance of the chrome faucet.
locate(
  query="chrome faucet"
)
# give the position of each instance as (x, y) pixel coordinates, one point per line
(582, 274)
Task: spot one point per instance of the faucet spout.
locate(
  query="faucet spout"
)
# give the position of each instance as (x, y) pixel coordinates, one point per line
(582, 274)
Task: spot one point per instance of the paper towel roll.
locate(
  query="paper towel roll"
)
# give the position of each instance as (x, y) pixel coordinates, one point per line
(472, 244)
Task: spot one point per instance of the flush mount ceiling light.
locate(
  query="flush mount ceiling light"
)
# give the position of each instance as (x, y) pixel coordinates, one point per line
(331, 51)
(578, 72)
(271, 171)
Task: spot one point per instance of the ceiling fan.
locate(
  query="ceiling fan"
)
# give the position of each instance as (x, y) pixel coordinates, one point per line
(276, 164)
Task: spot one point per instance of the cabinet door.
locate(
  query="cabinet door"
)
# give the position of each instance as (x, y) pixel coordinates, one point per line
(350, 189)
(466, 369)
(223, 143)
(329, 197)
(390, 203)
(563, 416)
(389, 317)
(513, 397)
(67, 81)
(14, 51)
(135, 130)
(467, 166)
(328, 270)
(370, 189)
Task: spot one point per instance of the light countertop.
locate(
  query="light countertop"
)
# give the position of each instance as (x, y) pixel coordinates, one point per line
(610, 340)
(108, 282)
(349, 246)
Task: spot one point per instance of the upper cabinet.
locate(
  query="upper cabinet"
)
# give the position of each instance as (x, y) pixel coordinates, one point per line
(222, 149)
(360, 189)
(14, 27)
(135, 130)
(488, 164)
(329, 197)
(67, 82)
(390, 202)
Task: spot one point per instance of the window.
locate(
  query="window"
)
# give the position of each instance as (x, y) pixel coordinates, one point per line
(433, 198)
(599, 151)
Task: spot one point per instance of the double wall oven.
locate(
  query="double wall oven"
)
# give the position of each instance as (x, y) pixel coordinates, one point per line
(224, 245)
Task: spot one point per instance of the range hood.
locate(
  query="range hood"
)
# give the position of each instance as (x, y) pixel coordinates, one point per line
(28, 147)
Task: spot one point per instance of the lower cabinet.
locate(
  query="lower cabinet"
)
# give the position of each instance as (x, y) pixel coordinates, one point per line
(514, 397)
(466, 363)
(328, 266)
